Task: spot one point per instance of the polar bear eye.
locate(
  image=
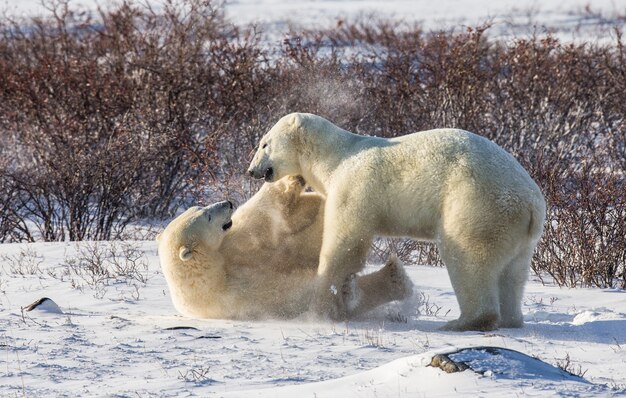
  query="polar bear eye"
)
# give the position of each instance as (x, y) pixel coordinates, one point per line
(264, 146)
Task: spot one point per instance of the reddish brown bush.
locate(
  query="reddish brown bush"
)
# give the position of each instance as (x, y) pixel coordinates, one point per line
(114, 119)
(133, 113)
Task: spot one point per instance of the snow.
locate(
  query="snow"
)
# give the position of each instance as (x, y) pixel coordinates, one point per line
(123, 337)
(567, 19)
(433, 15)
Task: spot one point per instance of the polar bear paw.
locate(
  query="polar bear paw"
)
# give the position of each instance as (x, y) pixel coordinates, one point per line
(295, 185)
(484, 323)
(401, 286)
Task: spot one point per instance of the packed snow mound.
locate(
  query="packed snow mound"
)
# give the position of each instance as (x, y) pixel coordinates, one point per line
(493, 371)
(44, 305)
(597, 315)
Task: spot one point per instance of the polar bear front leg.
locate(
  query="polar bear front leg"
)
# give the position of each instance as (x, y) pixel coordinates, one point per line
(340, 257)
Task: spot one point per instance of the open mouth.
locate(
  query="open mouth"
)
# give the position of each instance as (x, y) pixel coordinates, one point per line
(269, 175)
(227, 225)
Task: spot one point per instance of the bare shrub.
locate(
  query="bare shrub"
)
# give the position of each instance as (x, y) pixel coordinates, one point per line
(99, 265)
(117, 118)
(583, 242)
(199, 375)
(26, 262)
(408, 250)
(13, 225)
(132, 113)
(568, 366)
(427, 308)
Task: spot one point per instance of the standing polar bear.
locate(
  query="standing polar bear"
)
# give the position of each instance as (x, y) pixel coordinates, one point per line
(458, 189)
(260, 261)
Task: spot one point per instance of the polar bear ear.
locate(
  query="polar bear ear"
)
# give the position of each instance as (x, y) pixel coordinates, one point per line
(185, 253)
(297, 120)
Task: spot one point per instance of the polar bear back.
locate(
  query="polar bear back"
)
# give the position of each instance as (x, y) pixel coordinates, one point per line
(430, 172)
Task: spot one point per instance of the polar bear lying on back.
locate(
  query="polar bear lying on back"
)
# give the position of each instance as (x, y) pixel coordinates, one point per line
(450, 186)
(260, 261)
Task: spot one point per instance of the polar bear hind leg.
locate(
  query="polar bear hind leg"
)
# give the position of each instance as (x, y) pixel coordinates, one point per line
(390, 283)
(475, 281)
(512, 281)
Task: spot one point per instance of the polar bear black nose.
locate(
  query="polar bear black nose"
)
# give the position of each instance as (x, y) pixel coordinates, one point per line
(251, 173)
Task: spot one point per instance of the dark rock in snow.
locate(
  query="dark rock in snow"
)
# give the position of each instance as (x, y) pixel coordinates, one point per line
(443, 362)
(181, 328)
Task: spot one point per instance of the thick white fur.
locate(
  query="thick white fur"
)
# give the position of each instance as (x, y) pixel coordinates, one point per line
(264, 265)
(449, 186)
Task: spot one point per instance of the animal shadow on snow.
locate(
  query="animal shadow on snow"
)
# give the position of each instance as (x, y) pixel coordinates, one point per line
(602, 331)
(565, 328)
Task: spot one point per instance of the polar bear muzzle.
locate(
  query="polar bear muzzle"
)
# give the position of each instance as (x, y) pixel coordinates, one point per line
(269, 174)
(225, 204)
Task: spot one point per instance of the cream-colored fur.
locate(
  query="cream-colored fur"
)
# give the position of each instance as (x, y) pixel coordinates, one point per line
(264, 265)
(449, 186)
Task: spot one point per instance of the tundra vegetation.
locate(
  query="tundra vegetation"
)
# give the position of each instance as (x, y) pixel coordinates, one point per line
(115, 117)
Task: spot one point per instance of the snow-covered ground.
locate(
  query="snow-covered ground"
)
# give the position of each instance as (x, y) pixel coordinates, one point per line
(120, 336)
(568, 19)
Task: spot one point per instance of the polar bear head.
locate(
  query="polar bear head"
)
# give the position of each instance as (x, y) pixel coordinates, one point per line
(199, 230)
(276, 156)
